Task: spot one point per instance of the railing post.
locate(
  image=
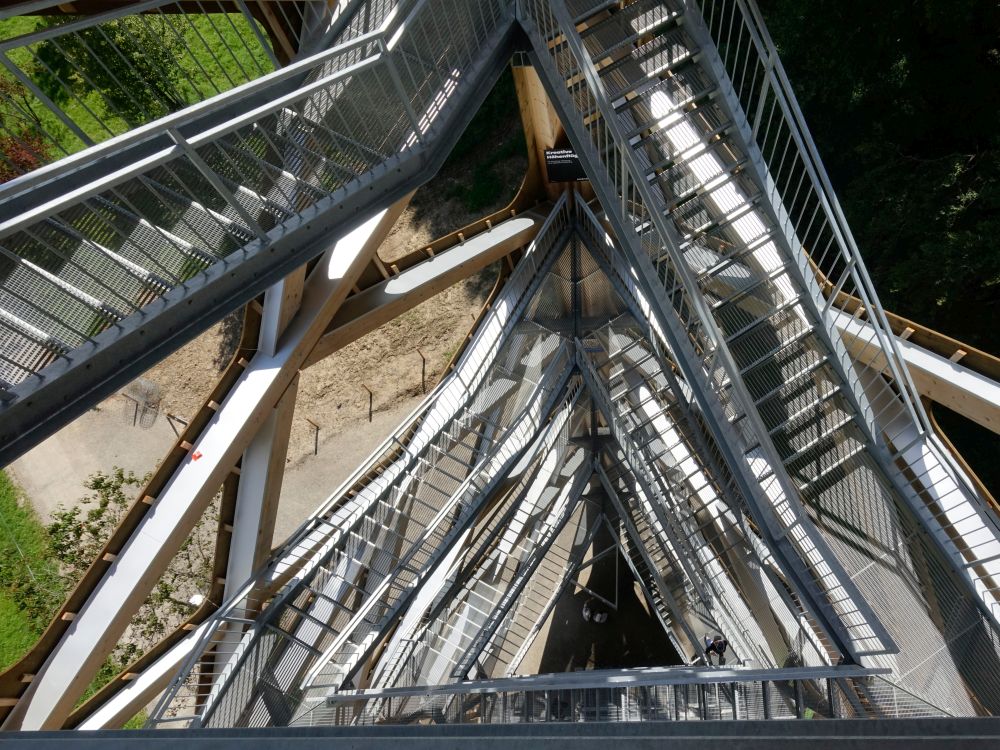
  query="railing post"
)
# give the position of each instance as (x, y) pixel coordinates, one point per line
(799, 700)
(831, 698)
(765, 695)
(216, 182)
(397, 84)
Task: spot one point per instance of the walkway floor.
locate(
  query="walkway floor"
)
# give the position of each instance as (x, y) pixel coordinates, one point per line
(631, 637)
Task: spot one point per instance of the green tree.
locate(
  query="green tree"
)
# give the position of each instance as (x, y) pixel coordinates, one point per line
(22, 145)
(901, 99)
(79, 533)
(132, 62)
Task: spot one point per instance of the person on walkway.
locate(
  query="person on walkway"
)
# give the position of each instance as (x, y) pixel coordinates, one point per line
(715, 647)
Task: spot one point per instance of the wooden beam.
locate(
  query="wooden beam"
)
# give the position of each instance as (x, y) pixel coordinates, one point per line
(365, 312)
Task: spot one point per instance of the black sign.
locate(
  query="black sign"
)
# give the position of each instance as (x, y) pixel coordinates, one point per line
(563, 165)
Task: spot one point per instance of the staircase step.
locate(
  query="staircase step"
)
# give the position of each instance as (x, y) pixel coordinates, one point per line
(645, 120)
(804, 372)
(581, 10)
(813, 483)
(628, 25)
(827, 434)
(688, 187)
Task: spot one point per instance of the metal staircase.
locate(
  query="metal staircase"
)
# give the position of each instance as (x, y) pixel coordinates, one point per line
(115, 256)
(694, 182)
(675, 363)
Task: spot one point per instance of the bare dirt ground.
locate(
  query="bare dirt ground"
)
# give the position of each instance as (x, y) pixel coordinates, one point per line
(437, 209)
(331, 393)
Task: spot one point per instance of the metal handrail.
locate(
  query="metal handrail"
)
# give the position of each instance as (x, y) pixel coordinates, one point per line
(516, 293)
(777, 79)
(189, 116)
(616, 678)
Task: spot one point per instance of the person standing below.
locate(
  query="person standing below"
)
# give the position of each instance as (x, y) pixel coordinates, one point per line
(715, 646)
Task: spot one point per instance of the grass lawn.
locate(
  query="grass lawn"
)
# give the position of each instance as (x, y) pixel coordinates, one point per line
(215, 53)
(16, 632)
(30, 586)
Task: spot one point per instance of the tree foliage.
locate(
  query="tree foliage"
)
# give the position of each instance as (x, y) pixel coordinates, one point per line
(901, 99)
(131, 62)
(22, 145)
(77, 536)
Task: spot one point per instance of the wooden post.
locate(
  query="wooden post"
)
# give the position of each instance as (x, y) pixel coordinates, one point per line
(315, 436)
(371, 397)
(423, 371)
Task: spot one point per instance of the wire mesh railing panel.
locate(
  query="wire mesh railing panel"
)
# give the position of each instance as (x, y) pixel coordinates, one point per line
(236, 181)
(780, 696)
(70, 81)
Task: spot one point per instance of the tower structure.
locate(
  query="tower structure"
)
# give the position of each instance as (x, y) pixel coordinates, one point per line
(686, 373)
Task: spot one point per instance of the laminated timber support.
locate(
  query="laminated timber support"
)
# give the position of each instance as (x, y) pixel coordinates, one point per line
(542, 128)
(968, 384)
(105, 614)
(944, 370)
(376, 305)
(263, 464)
(126, 694)
(978, 483)
(11, 684)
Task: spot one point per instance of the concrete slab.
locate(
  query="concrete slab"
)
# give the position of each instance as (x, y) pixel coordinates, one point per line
(55, 470)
